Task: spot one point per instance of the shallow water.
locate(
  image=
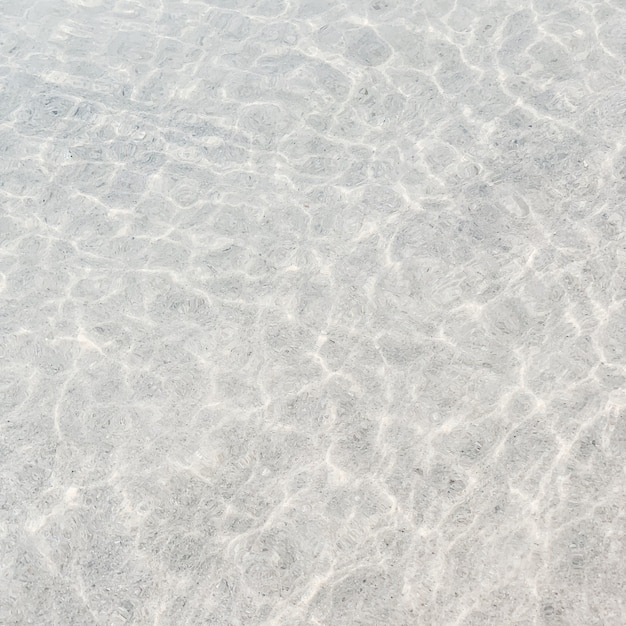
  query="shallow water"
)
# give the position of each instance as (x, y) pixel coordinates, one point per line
(313, 312)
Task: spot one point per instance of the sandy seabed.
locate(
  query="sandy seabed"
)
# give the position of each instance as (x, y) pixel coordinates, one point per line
(313, 313)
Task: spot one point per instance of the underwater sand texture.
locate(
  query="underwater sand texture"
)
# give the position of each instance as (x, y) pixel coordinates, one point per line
(312, 313)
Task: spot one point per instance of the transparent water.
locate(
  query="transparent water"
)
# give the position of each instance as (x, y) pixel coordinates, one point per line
(313, 312)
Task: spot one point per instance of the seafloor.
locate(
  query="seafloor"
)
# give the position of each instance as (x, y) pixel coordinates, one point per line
(313, 312)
